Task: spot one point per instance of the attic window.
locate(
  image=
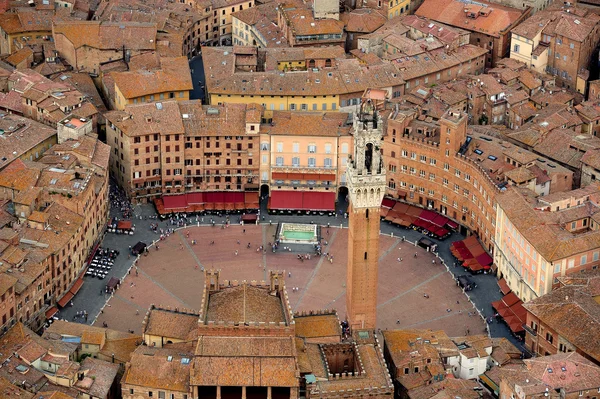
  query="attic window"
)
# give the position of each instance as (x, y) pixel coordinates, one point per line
(563, 368)
(478, 152)
(493, 158)
(169, 358)
(53, 181)
(549, 370)
(185, 360)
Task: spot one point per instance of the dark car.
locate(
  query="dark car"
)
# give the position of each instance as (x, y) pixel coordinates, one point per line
(466, 283)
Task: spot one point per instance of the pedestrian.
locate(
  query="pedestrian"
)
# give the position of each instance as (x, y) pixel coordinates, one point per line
(398, 259)
(71, 303)
(236, 252)
(289, 274)
(398, 321)
(458, 302)
(433, 261)
(415, 254)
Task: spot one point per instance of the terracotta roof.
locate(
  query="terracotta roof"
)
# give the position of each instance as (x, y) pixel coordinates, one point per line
(18, 177)
(21, 55)
(142, 119)
(152, 368)
(108, 35)
(93, 337)
(8, 390)
(32, 351)
(592, 158)
(571, 373)
(327, 325)
(26, 21)
(174, 76)
(245, 303)
(400, 344)
(363, 20)
(545, 231)
(227, 119)
(302, 22)
(499, 20)
(15, 142)
(503, 351)
(249, 361)
(449, 388)
(170, 324)
(573, 313)
(320, 124)
(99, 377)
(348, 77)
(6, 282)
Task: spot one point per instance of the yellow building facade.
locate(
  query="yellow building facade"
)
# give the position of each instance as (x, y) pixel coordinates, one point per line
(121, 101)
(522, 49)
(223, 19)
(398, 7)
(281, 103)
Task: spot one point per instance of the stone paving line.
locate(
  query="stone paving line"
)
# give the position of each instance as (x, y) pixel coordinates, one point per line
(314, 272)
(479, 298)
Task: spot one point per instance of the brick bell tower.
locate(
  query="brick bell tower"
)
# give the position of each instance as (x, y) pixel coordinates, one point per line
(366, 188)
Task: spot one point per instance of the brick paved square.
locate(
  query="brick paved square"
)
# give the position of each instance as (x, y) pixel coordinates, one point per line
(172, 276)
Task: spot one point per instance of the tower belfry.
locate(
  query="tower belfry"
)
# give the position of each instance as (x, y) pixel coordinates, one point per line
(366, 188)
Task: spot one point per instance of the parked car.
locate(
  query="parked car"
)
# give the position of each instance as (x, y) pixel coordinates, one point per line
(466, 283)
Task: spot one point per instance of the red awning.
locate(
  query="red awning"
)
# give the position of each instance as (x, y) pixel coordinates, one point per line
(311, 176)
(427, 215)
(516, 326)
(295, 176)
(388, 203)
(195, 198)
(279, 176)
(234, 197)
(499, 305)
(401, 207)
(65, 299)
(77, 286)
(51, 312)
(484, 259)
(318, 201)
(327, 177)
(214, 197)
(413, 211)
(453, 225)
(124, 225)
(440, 221)
(251, 197)
(401, 194)
(174, 201)
(250, 217)
(286, 200)
(510, 299)
(504, 288)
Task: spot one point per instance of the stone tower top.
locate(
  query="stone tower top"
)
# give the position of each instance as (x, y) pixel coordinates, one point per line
(366, 172)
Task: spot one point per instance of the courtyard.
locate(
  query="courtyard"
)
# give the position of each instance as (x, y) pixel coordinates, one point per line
(173, 276)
